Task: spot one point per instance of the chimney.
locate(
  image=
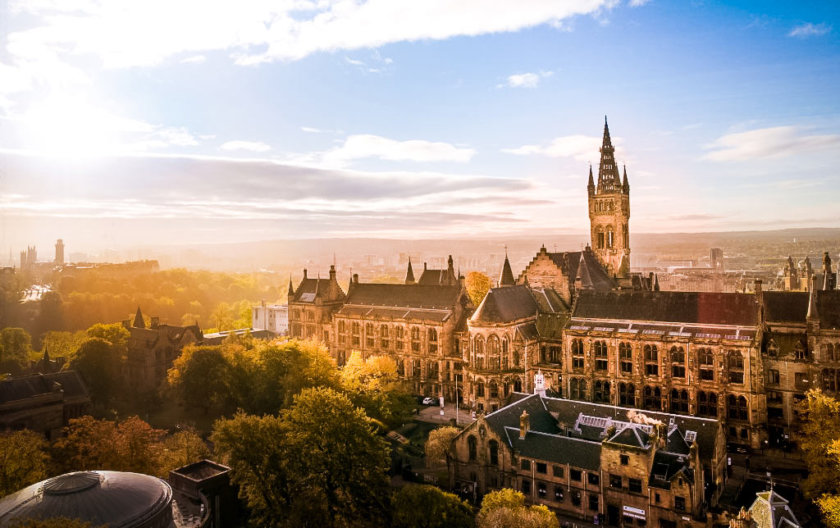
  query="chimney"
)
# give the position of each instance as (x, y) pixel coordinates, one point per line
(524, 424)
(356, 278)
(304, 273)
(332, 272)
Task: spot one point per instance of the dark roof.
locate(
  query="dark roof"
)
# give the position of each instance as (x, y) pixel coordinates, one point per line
(508, 416)
(558, 449)
(506, 304)
(631, 436)
(434, 277)
(569, 261)
(102, 498)
(16, 389)
(665, 467)
(403, 295)
(677, 307)
(309, 289)
(792, 307)
(506, 277)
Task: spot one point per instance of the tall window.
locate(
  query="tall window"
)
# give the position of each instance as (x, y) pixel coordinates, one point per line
(478, 345)
(384, 336)
(433, 341)
(651, 360)
(342, 332)
(677, 362)
(601, 359)
(625, 358)
(679, 401)
(829, 379)
(577, 389)
(577, 354)
(399, 335)
(706, 361)
(415, 339)
(602, 391)
(472, 444)
(356, 330)
(831, 352)
(707, 404)
(494, 389)
(369, 335)
(494, 452)
(652, 398)
(493, 353)
(736, 367)
(627, 394)
(736, 407)
(479, 391)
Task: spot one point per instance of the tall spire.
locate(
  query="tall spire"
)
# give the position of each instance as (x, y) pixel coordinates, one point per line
(625, 185)
(506, 278)
(591, 185)
(138, 319)
(409, 275)
(608, 177)
(291, 287)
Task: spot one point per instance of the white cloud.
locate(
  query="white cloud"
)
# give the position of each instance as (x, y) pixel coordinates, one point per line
(311, 130)
(526, 80)
(579, 147)
(194, 59)
(764, 143)
(362, 146)
(264, 30)
(809, 30)
(252, 146)
(638, 3)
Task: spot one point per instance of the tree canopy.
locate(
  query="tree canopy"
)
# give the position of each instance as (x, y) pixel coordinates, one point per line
(23, 460)
(438, 444)
(506, 508)
(422, 506)
(15, 348)
(477, 284)
(99, 364)
(819, 440)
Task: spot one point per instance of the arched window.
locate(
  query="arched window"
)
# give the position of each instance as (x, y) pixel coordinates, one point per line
(677, 362)
(494, 452)
(479, 391)
(384, 334)
(627, 394)
(679, 401)
(478, 347)
(625, 358)
(577, 389)
(602, 391)
(651, 360)
(577, 354)
(517, 385)
(493, 353)
(706, 361)
(472, 443)
(399, 336)
(415, 339)
(830, 352)
(707, 404)
(494, 389)
(652, 398)
(610, 237)
(736, 407)
(601, 355)
(736, 367)
(625, 236)
(600, 237)
(433, 341)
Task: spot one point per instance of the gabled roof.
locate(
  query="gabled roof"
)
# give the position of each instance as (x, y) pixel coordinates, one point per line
(403, 295)
(666, 466)
(15, 389)
(506, 277)
(505, 305)
(771, 510)
(310, 289)
(555, 448)
(569, 262)
(737, 309)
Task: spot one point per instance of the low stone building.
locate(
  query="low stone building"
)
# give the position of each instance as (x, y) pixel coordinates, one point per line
(595, 462)
(43, 403)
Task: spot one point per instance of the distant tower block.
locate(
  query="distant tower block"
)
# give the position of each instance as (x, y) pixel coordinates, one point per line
(609, 211)
(716, 259)
(59, 252)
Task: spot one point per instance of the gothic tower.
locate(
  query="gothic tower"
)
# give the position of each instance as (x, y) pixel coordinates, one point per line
(609, 212)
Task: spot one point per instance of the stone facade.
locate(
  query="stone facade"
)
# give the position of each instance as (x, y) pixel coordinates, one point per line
(43, 403)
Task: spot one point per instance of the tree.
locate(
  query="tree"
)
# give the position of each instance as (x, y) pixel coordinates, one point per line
(99, 365)
(138, 446)
(478, 284)
(50, 314)
(23, 460)
(373, 384)
(15, 347)
(506, 508)
(819, 441)
(63, 344)
(437, 445)
(422, 506)
(316, 464)
(180, 449)
(285, 369)
(200, 376)
(113, 333)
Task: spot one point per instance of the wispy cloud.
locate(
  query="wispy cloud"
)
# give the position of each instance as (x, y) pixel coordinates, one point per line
(118, 33)
(810, 30)
(251, 146)
(638, 3)
(579, 147)
(194, 59)
(526, 80)
(360, 146)
(764, 143)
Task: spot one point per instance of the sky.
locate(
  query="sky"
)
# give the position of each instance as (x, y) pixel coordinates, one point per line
(133, 123)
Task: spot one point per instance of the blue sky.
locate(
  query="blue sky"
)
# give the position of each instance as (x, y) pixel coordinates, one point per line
(125, 123)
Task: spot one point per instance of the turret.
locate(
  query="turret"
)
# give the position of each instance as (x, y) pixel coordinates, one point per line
(625, 185)
(409, 275)
(524, 424)
(291, 293)
(590, 187)
(506, 277)
(138, 319)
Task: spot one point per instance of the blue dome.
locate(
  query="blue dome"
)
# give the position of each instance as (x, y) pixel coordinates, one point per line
(112, 498)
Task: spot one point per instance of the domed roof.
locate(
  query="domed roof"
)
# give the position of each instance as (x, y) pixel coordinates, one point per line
(112, 498)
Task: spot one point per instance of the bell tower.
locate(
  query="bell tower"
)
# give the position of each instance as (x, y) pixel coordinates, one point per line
(609, 212)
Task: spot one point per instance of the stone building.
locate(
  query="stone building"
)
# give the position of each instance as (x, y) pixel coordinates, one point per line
(43, 403)
(418, 324)
(152, 350)
(593, 461)
(312, 305)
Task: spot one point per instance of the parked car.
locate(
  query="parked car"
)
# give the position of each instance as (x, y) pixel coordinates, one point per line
(428, 400)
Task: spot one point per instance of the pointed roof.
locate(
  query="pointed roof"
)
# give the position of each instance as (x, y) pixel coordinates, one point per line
(506, 278)
(591, 184)
(46, 357)
(138, 319)
(291, 286)
(583, 274)
(812, 301)
(625, 184)
(409, 275)
(771, 510)
(608, 177)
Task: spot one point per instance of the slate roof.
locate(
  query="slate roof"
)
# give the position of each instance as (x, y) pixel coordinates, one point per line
(558, 449)
(506, 304)
(309, 289)
(665, 467)
(792, 307)
(631, 436)
(403, 295)
(569, 261)
(677, 307)
(435, 277)
(16, 389)
(506, 277)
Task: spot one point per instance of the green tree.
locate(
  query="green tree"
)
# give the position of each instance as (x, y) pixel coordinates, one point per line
(506, 508)
(99, 365)
(50, 314)
(284, 369)
(477, 284)
(113, 333)
(182, 448)
(437, 445)
(373, 384)
(15, 348)
(317, 464)
(421, 506)
(200, 376)
(63, 344)
(23, 460)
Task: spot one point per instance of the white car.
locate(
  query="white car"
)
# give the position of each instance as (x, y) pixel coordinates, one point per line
(428, 400)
